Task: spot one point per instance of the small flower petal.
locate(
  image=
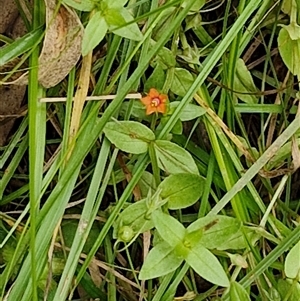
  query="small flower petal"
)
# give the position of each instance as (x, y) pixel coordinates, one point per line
(150, 110)
(161, 108)
(153, 93)
(155, 102)
(163, 97)
(146, 100)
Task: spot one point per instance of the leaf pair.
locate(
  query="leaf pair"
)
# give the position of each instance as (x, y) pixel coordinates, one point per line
(289, 37)
(107, 15)
(134, 138)
(176, 191)
(190, 244)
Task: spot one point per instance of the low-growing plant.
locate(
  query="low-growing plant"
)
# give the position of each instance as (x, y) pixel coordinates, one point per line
(158, 156)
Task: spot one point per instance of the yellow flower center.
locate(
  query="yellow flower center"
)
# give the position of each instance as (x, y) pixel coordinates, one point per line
(155, 102)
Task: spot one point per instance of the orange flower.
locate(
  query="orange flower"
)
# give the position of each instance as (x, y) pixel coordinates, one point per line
(155, 102)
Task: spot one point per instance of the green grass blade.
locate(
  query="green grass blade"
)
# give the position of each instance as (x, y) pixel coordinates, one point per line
(20, 46)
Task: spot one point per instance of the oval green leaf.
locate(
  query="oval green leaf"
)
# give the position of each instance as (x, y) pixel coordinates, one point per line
(130, 31)
(218, 230)
(243, 82)
(129, 136)
(160, 261)
(165, 56)
(189, 112)
(290, 51)
(169, 228)
(182, 190)
(156, 79)
(237, 292)
(135, 217)
(196, 6)
(94, 33)
(292, 262)
(207, 265)
(293, 30)
(113, 18)
(182, 81)
(174, 159)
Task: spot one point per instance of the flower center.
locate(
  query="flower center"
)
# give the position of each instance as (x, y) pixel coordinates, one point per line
(155, 102)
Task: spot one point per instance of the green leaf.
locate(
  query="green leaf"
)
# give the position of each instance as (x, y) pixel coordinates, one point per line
(147, 183)
(155, 202)
(174, 159)
(177, 128)
(182, 81)
(94, 33)
(88, 285)
(238, 260)
(130, 31)
(192, 55)
(19, 46)
(165, 57)
(181, 250)
(113, 17)
(243, 82)
(293, 30)
(236, 242)
(288, 287)
(239, 241)
(237, 292)
(286, 6)
(166, 19)
(69, 228)
(115, 3)
(207, 265)
(292, 7)
(135, 217)
(196, 6)
(83, 5)
(156, 79)
(169, 228)
(129, 136)
(292, 262)
(191, 239)
(160, 261)
(190, 111)
(219, 230)
(290, 51)
(182, 190)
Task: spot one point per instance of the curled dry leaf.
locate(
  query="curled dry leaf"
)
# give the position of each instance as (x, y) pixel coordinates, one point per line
(62, 45)
(295, 154)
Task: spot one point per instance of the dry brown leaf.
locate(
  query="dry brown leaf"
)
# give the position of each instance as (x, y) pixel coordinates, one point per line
(95, 274)
(62, 44)
(61, 47)
(295, 154)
